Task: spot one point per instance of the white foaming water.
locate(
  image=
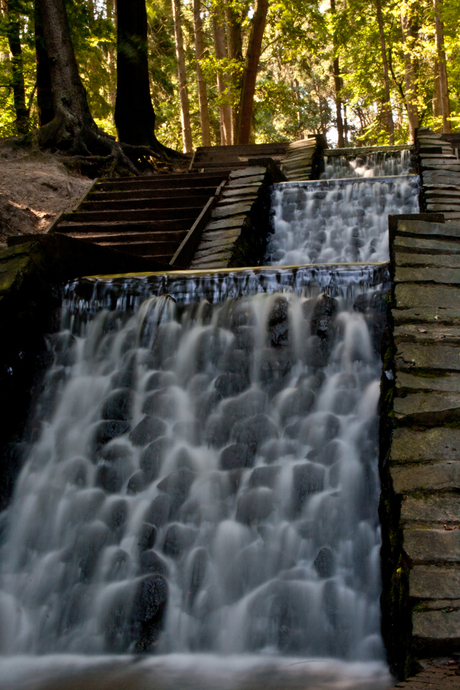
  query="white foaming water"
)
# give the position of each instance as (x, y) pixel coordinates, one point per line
(339, 220)
(205, 480)
(379, 164)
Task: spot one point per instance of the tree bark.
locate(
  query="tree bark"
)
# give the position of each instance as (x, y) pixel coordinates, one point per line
(386, 78)
(182, 75)
(202, 90)
(235, 54)
(44, 95)
(338, 86)
(14, 42)
(441, 60)
(225, 109)
(437, 108)
(408, 35)
(250, 71)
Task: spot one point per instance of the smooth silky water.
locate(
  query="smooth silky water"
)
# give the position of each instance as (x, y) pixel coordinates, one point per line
(204, 488)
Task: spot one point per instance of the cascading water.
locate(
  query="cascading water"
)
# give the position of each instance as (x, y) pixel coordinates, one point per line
(341, 220)
(206, 481)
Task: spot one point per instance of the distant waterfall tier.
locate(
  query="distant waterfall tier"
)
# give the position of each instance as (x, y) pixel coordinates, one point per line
(205, 480)
(337, 221)
(366, 163)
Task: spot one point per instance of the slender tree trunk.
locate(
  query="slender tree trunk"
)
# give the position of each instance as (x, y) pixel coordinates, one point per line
(408, 35)
(225, 110)
(338, 86)
(112, 54)
(14, 41)
(235, 53)
(437, 108)
(182, 75)
(386, 78)
(441, 60)
(250, 71)
(202, 90)
(44, 95)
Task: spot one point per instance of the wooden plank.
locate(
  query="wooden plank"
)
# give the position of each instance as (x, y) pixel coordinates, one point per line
(232, 222)
(184, 253)
(230, 210)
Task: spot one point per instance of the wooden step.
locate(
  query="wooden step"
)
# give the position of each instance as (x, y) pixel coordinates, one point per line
(174, 192)
(142, 248)
(167, 182)
(130, 215)
(156, 203)
(141, 226)
(119, 237)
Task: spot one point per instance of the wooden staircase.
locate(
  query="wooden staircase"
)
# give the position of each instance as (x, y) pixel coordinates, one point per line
(208, 158)
(145, 216)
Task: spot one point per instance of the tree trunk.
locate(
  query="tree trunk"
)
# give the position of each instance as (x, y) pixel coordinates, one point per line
(182, 75)
(437, 108)
(408, 35)
(134, 113)
(202, 91)
(338, 86)
(225, 110)
(250, 71)
(44, 95)
(235, 53)
(72, 127)
(386, 78)
(14, 42)
(441, 60)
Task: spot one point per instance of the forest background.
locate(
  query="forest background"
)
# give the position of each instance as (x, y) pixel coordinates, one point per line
(361, 72)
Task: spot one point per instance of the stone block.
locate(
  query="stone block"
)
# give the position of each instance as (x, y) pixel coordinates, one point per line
(411, 382)
(429, 334)
(429, 409)
(426, 245)
(435, 445)
(427, 296)
(233, 222)
(422, 315)
(433, 582)
(436, 627)
(427, 356)
(437, 477)
(431, 546)
(418, 227)
(444, 509)
(228, 210)
(424, 260)
(446, 276)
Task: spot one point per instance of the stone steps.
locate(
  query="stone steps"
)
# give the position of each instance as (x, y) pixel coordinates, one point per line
(440, 174)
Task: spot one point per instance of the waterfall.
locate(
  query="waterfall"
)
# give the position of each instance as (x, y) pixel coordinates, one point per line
(205, 478)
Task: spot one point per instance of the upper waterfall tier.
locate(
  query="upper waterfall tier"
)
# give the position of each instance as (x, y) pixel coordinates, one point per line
(365, 163)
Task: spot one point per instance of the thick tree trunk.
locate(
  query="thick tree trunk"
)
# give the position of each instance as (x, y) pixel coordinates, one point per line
(14, 42)
(182, 75)
(250, 71)
(441, 59)
(44, 95)
(408, 35)
(225, 109)
(202, 90)
(134, 113)
(386, 78)
(235, 53)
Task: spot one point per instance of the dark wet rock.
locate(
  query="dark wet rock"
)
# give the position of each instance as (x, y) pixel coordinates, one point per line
(206, 403)
(293, 430)
(211, 346)
(106, 431)
(328, 454)
(244, 336)
(148, 429)
(151, 562)
(148, 610)
(73, 607)
(230, 384)
(159, 380)
(137, 482)
(76, 472)
(188, 431)
(183, 459)
(272, 450)
(324, 563)
(118, 405)
(196, 574)
(236, 361)
(278, 323)
(108, 478)
(345, 402)
(236, 456)
(190, 512)
(147, 536)
(254, 431)
(161, 404)
(319, 428)
(5, 519)
(296, 403)
(118, 567)
(334, 475)
(330, 601)
(115, 516)
(116, 452)
(323, 315)
(199, 384)
(307, 478)
(235, 477)
(217, 430)
(243, 406)
(159, 511)
(254, 505)
(153, 456)
(177, 485)
(178, 539)
(264, 476)
(123, 379)
(89, 542)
